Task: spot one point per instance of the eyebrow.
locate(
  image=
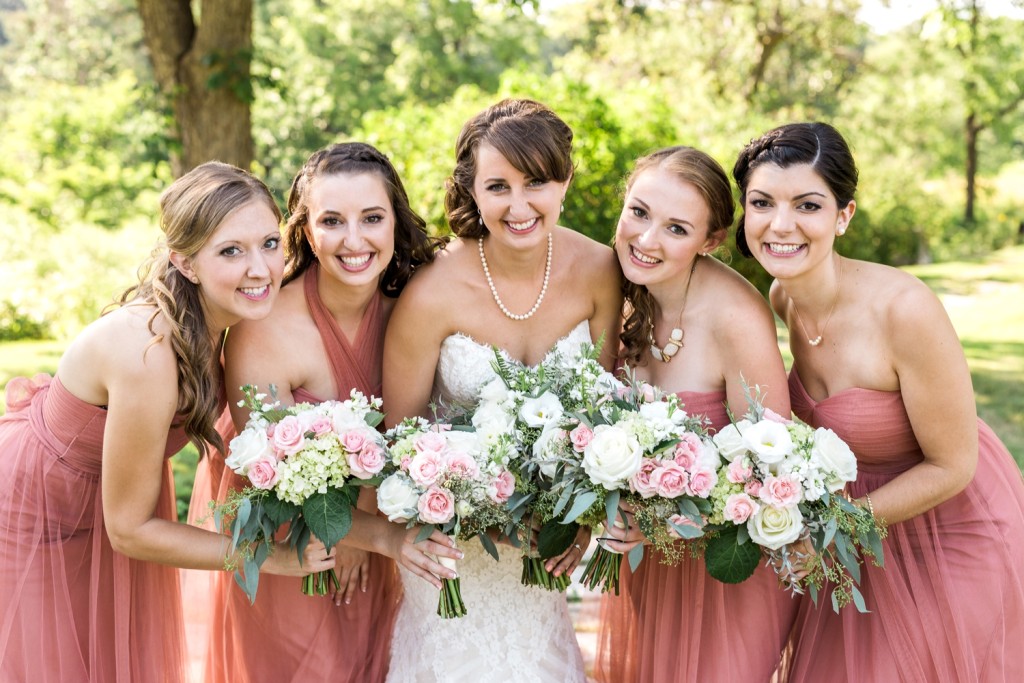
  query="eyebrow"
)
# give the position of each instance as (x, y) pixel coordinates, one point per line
(799, 196)
(366, 210)
(647, 208)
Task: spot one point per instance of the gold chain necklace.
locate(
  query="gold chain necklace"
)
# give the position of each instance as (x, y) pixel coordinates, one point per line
(494, 290)
(817, 340)
(675, 338)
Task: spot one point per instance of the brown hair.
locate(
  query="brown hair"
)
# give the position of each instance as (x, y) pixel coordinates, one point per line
(413, 246)
(527, 133)
(191, 209)
(705, 174)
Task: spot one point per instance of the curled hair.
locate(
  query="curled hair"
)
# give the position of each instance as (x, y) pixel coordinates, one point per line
(413, 246)
(695, 168)
(191, 209)
(527, 133)
(817, 144)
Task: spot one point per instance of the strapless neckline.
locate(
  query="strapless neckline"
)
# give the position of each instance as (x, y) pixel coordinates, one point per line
(568, 335)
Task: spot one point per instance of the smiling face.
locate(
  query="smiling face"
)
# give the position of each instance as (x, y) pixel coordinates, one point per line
(515, 208)
(238, 270)
(351, 226)
(792, 219)
(662, 228)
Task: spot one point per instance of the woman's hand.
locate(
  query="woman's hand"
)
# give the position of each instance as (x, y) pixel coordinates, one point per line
(623, 533)
(567, 562)
(802, 558)
(284, 561)
(353, 569)
(422, 558)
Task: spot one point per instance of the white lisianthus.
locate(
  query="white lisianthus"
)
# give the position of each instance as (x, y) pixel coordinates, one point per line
(541, 411)
(662, 417)
(494, 391)
(250, 446)
(729, 440)
(462, 442)
(709, 456)
(545, 448)
(397, 498)
(773, 527)
(769, 440)
(491, 420)
(834, 456)
(612, 456)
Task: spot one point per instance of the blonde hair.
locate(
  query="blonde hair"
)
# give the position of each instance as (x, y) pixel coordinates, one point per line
(191, 209)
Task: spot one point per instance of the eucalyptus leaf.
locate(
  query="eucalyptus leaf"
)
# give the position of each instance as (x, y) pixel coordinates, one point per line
(488, 545)
(635, 555)
(424, 533)
(580, 505)
(611, 506)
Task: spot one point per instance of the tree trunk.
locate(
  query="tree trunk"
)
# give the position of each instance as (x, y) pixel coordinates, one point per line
(971, 130)
(203, 69)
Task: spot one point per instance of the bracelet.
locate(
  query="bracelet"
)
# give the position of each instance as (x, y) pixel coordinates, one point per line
(871, 508)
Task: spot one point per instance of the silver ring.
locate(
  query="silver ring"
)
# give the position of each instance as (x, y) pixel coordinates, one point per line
(577, 546)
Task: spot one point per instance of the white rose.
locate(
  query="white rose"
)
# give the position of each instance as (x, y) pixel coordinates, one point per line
(612, 456)
(462, 441)
(709, 456)
(346, 415)
(773, 527)
(250, 446)
(494, 391)
(835, 457)
(463, 508)
(540, 411)
(770, 441)
(491, 420)
(729, 440)
(397, 498)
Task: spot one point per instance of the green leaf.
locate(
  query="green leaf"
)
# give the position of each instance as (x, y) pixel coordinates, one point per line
(241, 517)
(488, 545)
(563, 499)
(374, 418)
(424, 533)
(729, 561)
(580, 505)
(329, 515)
(858, 600)
(279, 511)
(611, 506)
(635, 556)
(555, 538)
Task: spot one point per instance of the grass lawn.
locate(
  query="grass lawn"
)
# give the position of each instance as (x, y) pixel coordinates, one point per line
(984, 297)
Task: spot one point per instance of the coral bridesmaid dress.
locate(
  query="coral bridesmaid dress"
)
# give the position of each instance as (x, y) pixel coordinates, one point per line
(72, 608)
(949, 603)
(286, 636)
(677, 624)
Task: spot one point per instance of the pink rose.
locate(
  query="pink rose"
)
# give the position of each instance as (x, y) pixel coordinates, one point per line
(289, 435)
(501, 487)
(739, 507)
(426, 467)
(263, 473)
(367, 461)
(647, 392)
(753, 487)
(669, 479)
(702, 480)
(580, 437)
(430, 442)
(320, 425)
(782, 492)
(436, 505)
(641, 481)
(688, 451)
(739, 471)
(352, 440)
(770, 414)
(463, 465)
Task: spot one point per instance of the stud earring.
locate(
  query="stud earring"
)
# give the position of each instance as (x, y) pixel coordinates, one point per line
(194, 279)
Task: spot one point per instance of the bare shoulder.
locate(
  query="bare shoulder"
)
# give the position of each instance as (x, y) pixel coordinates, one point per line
(438, 287)
(736, 307)
(275, 332)
(907, 308)
(590, 260)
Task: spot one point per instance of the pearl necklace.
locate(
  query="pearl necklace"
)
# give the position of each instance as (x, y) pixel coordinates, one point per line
(675, 338)
(494, 291)
(835, 299)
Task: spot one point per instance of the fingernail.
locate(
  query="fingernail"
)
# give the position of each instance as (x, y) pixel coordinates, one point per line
(460, 554)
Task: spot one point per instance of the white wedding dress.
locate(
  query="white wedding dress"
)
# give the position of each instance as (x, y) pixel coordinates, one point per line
(511, 633)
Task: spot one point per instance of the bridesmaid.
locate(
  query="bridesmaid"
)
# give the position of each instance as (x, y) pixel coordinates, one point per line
(88, 537)
(676, 623)
(353, 242)
(876, 359)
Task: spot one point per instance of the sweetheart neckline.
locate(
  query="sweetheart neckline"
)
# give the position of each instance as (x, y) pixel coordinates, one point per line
(507, 355)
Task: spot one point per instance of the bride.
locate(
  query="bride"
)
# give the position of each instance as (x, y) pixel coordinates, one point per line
(515, 280)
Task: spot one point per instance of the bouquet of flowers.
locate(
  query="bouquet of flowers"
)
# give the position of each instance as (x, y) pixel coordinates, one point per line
(443, 479)
(519, 416)
(305, 464)
(639, 450)
(783, 482)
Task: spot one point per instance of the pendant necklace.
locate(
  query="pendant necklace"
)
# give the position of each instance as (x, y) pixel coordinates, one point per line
(494, 290)
(817, 340)
(675, 338)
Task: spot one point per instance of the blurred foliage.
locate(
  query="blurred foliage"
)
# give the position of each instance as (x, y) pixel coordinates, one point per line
(85, 145)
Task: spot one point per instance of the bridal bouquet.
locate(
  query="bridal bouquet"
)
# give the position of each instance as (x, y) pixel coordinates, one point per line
(305, 464)
(519, 415)
(783, 482)
(639, 451)
(444, 479)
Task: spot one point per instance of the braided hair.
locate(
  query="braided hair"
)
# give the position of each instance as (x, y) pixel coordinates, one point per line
(817, 144)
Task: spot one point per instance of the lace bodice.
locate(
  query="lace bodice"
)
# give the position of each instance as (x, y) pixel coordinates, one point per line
(512, 633)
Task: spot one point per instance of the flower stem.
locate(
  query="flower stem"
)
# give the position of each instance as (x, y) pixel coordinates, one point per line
(536, 574)
(449, 600)
(603, 571)
(320, 583)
